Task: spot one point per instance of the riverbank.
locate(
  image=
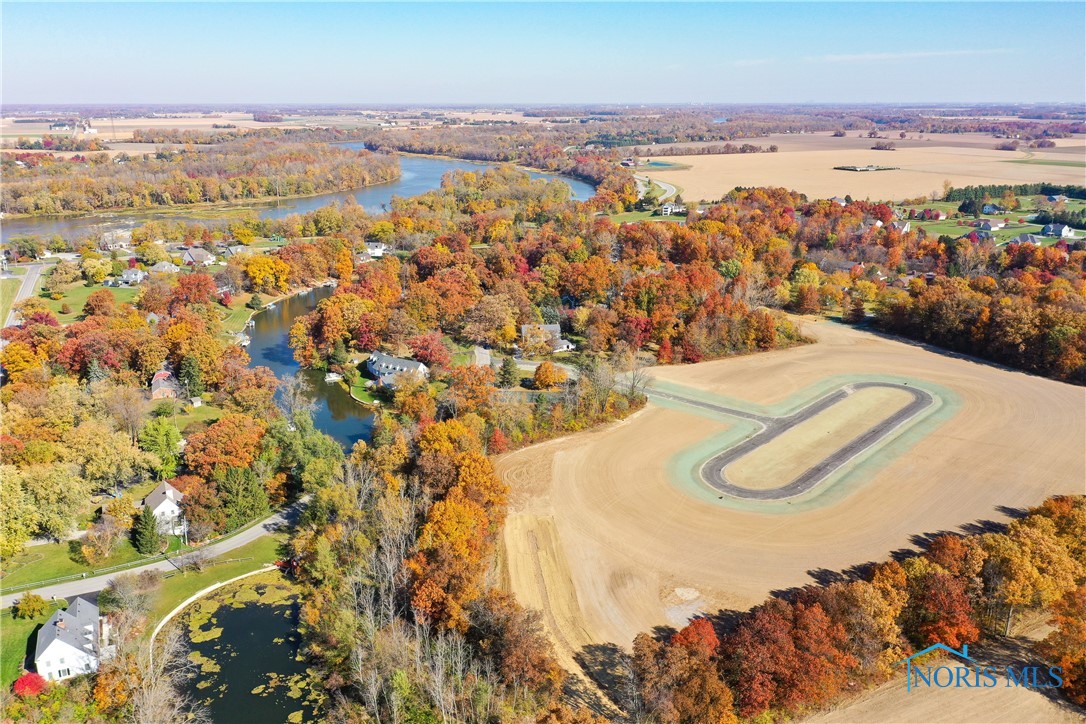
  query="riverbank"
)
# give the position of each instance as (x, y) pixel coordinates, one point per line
(239, 205)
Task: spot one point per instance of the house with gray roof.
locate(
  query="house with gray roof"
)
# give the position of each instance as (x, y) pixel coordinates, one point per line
(133, 276)
(72, 642)
(550, 334)
(1061, 231)
(198, 257)
(1027, 239)
(165, 267)
(164, 386)
(165, 502)
(385, 367)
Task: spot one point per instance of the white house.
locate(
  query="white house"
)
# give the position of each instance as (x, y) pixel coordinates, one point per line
(1027, 239)
(385, 367)
(71, 642)
(376, 249)
(165, 502)
(901, 226)
(670, 209)
(116, 240)
(133, 276)
(198, 257)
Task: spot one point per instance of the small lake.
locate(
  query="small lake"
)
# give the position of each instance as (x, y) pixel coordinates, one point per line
(418, 174)
(336, 413)
(244, 640)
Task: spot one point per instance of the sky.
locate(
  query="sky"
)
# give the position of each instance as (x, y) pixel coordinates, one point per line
(521, 53)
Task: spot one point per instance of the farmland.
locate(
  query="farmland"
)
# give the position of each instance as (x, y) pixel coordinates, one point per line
(610, 534)
(805, 163)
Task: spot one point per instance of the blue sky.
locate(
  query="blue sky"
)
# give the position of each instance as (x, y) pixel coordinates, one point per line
(543, 53)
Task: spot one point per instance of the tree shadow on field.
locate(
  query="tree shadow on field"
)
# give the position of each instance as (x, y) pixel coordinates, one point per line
(608, 667)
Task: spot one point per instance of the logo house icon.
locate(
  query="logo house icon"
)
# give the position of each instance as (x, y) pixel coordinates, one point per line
(963, 654)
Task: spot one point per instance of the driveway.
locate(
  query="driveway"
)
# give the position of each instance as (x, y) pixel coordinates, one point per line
(81, 586)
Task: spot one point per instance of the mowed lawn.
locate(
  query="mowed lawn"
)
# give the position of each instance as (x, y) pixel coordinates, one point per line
(15, 640)
(75, 297)
(54, 560)
(179, 586)
(8, 289)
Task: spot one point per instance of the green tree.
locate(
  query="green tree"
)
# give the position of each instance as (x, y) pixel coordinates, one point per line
(508, 375)
(145, 534)
(192, 379)
(244, 497)
(161, 437)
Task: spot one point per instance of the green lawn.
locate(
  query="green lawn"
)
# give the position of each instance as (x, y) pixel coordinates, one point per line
(54, 560)
(362, 393)
(15, 635)
(204, 414)
(631, 217)
(180, 586)
(1002, 236)
(75, 297)
(8, 289)
(235, 319)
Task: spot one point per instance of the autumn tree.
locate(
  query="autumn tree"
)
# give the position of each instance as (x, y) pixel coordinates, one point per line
(1066, 645)
(232, 441)
(548, 376)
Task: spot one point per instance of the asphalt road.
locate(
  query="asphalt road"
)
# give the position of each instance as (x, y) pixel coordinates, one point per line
(644, 183)
(30, 283)
(81, 586)
(712, 472)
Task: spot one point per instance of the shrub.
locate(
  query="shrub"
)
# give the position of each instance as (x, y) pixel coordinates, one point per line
(31, 605)
(30, 684)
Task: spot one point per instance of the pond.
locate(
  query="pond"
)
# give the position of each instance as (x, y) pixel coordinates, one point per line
(336, 413)
(419, 174)
(245, 643)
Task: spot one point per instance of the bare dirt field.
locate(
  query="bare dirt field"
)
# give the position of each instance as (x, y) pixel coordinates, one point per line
(605, 541)
(784, 458)
(805, 162)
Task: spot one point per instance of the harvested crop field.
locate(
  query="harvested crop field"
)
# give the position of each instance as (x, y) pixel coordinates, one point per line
(640, 547)
(806, 163)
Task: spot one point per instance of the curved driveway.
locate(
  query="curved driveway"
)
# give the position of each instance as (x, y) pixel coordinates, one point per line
(713, 471)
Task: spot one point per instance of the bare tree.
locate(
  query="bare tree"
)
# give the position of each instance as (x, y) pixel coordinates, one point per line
(296, 395)
(162, 671)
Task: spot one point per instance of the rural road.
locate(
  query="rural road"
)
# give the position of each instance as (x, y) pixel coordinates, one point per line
(81, 586)
(712, 472)
(30, 283)
(644, 183)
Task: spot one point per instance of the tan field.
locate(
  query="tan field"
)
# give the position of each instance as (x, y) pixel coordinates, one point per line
(785, 458)
(602, 540)
(806, 163)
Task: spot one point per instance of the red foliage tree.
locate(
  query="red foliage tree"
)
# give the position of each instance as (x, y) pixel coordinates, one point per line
(30, 684)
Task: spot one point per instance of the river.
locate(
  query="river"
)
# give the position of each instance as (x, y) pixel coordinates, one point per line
(418, 174)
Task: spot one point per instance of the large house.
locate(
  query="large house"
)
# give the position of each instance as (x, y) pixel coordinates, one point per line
(993, 209)
(198, 257)
(989, 224)
(164, 386)
(385, 367)
(133, 276)
(900, 226)
(532, 335)
(71, 642)
(1059, 230)
(116, 240)
(672, 209)
(1027, 239)
(376, 249)
(165, 267)
(165, 502)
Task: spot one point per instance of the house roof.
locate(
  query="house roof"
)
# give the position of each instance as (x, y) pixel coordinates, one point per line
(199, 254)
(161, 494)
(386, 367)
(165, 266)
(70, 627)
(164, 378)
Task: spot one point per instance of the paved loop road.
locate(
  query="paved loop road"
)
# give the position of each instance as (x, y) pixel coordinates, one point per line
(712, 472)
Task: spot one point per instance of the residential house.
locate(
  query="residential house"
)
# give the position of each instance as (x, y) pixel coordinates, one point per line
(534, 335)
(72, 642)
(1027, 239)
(989, 224)
(376, 249)
(978, 235)
(133, 276)
(165, 267)
(62, 126)
(385, 368)
(1057, 198)
(236, 249)
(900, 226)
(165, 502)
(1061, 231)
(198, 257)
(839, 201)
(672, 209)
(993, 209)
(118, 240)
(164, 386)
